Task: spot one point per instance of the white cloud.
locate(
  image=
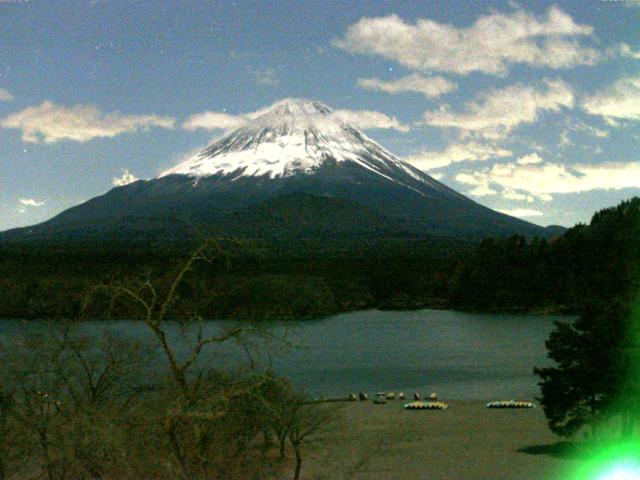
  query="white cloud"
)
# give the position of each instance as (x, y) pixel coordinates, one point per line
(125, 179)
(619, 102)
(545, 197)
(471, 151)
(50, 123)
(431, 87)
(522, 212)
(482, 190)
(589, 129)
(368, 119)
(502, 110)
(30, 202)
(541, 180)
(529, 159)
(580, 127)
(5, 95)
(627, 51)
(521, 197)
(490, 45)
(215, 121)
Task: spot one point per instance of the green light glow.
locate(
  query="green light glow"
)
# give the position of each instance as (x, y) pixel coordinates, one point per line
(614, 453)
(613, 461)
(622, 472)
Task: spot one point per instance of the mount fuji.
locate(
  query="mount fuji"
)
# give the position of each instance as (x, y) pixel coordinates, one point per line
(296, 169)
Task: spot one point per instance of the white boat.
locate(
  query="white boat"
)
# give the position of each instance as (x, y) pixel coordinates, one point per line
(380, 398)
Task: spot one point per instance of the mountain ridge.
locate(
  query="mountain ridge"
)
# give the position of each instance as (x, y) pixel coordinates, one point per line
(293, 147)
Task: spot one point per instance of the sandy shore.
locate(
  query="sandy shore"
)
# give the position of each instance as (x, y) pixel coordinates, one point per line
(467, 441)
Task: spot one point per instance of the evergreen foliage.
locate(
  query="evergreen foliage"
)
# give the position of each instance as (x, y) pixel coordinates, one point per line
(595, 376)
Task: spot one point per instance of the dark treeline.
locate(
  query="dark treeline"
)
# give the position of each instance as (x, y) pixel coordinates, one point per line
(594, 383)
(253, 280)
(299, 278)
(562, 274)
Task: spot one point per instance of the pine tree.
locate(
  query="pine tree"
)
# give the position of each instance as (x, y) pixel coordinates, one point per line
(595, 376)
(591, 366)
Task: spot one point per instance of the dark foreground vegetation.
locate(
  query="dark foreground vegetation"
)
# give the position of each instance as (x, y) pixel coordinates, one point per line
(74, 406)
(301, 278)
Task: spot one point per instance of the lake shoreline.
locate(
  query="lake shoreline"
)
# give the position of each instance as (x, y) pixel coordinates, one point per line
(541, 312)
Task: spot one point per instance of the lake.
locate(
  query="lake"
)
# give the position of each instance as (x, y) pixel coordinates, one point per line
(458, 355)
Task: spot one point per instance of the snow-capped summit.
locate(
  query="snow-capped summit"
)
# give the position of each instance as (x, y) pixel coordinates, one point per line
(295, 136)
(298, 107)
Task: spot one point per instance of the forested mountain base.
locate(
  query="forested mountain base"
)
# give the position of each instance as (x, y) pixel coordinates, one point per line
(307, 278)
(588, 261)
(253, 280)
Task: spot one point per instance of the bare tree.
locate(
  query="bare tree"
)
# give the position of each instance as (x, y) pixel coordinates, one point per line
(200, 400)
(278, 402)
(39, 411)
(69, 390)
(86, 411)
(308, 423)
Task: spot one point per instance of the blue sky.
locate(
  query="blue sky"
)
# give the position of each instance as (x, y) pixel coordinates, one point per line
(532, 108)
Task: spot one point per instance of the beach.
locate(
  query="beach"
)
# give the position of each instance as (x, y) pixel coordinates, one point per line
(466, 441)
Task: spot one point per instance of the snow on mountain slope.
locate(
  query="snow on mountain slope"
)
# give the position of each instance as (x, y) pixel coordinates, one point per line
(294, 169)
(293, 137)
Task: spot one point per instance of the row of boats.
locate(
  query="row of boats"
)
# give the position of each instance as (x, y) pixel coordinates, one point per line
(429, 403)
(420, 405)
(510, 404)
(432, 403)
(382, 397)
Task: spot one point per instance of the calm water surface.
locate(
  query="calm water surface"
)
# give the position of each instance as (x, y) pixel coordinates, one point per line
(458, 355)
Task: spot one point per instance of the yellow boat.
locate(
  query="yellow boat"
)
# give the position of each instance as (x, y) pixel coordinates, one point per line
(510, 404)
(419, 405)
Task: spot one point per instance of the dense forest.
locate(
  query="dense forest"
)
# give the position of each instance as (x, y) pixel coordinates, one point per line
(259, 279)
(588, 261)
(593, 385)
